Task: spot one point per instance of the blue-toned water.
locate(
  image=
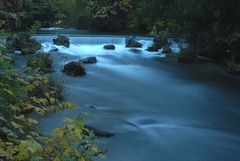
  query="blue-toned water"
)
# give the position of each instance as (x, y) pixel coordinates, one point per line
(159, 110)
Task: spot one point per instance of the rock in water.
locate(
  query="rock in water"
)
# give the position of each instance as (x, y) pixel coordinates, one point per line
(153, 48)
(100, 133)
(132, 43)
(159, 41)
(74, 69)
(62, 40)
(167, 49)
(90, 60)
(109, 47)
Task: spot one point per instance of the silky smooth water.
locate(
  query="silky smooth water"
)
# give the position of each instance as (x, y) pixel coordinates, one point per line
(159, 110)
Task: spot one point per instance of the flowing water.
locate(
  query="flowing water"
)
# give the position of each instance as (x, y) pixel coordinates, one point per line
(158, 109)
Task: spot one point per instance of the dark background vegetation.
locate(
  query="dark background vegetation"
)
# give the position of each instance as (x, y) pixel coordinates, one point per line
(211, 27)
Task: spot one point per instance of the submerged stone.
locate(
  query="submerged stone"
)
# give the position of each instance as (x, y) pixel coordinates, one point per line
(136, 51)
(153, 48)
(90, 60)
(101, 133)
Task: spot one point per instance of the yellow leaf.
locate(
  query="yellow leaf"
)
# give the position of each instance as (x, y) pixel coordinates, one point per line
(14, 108)
(15, 125)
(47, 95)
(3, 119)
(33, 121)
(68, 120)
(40, 111)
(57, 159)
(52, 100)
(67, 150)
(8, 92)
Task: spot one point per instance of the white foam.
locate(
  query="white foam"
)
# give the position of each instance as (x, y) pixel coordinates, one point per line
(96, 48)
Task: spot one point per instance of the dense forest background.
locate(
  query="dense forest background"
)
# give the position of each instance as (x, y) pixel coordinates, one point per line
(210, 27)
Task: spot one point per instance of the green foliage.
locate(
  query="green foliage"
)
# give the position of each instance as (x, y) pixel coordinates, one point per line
(25, 92)
(41, 62)
(23, 42)
(73, 142)
(35, 27)
(116, 12)
(20, 140)
(5, 62)
(23, 14)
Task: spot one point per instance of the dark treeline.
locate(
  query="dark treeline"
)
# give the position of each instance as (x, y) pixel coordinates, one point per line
(211, 27)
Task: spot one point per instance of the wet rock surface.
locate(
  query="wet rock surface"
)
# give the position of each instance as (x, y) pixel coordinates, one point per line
(62, 40)
(74, 69)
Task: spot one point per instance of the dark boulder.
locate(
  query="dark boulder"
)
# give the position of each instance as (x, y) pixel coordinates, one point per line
(153, 48)
(132, 43)
(74, 69)
(109, 47)
(90, 60)
(100, 133)
(62, 41)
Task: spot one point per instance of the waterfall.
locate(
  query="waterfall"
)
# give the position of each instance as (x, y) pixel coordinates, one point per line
(90, 40)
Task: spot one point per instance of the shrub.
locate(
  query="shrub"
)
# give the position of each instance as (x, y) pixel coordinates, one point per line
(40, 62)
(23, 42)
(22, 93)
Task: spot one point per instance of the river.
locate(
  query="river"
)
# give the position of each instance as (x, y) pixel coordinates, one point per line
(159, 110)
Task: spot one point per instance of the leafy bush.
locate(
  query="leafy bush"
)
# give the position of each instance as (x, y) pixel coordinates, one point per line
(21, 94)
(23, 42)
(25, 92)
(41, 62)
